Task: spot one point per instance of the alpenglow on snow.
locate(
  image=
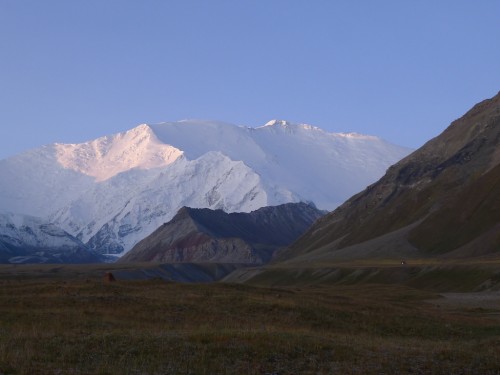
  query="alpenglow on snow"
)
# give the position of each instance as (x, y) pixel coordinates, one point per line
(115, 190)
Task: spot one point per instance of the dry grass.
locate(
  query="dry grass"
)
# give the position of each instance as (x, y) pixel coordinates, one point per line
(154, 327)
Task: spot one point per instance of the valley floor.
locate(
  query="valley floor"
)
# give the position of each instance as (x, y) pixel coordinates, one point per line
(88, 326)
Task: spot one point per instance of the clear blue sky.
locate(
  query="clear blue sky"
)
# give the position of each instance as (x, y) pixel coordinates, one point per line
(73, 70)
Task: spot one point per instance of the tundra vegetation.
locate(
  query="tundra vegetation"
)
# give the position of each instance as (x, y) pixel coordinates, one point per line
(61, 322)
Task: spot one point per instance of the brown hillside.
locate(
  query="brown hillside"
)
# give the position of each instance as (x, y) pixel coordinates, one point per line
(446, 194)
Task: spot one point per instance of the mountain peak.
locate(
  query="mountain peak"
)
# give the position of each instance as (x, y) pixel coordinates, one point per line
(114, 190)
(108, 156)
(183, 213)
(290, 126)
(278, 123)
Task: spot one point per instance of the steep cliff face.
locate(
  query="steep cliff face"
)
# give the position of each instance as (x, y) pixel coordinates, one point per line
(204, 235)
(441, 199)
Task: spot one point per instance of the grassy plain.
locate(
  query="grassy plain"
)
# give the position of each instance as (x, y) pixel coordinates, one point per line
(86, 326)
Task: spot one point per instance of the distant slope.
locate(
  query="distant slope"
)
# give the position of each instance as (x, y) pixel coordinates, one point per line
(204, 235)
(443, 199)
(27, 239)
(113, 191)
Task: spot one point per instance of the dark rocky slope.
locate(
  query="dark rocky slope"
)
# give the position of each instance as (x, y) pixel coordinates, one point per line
(204, 235)
(442, 200)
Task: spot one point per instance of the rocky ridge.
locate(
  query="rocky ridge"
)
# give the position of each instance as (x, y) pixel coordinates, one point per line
(204, 235)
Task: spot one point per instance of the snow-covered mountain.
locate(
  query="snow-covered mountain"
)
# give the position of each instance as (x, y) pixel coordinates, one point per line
(113, 191)
(28, 239)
